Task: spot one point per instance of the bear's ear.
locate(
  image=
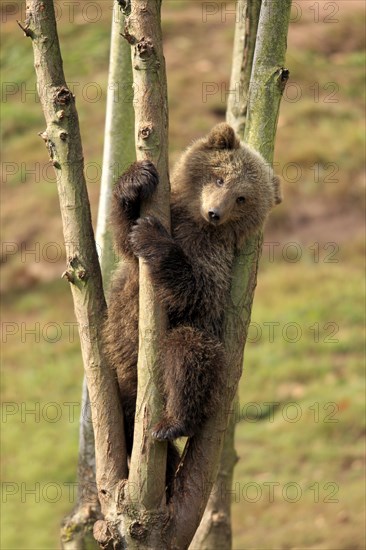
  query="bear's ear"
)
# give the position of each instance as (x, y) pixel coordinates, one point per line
(276, 182)
(222, 136)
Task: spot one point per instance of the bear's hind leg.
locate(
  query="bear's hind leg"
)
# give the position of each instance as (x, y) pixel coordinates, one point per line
(192, 372)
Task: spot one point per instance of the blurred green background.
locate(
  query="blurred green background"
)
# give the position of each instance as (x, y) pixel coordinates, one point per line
(300, 437)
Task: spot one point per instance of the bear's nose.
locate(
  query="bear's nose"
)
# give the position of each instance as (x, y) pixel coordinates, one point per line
(214, 215)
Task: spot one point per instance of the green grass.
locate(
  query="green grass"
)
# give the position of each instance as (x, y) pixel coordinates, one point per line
(318, 379)
(41, 383)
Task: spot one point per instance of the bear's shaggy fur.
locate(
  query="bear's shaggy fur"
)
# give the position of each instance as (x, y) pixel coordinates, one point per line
(222, 192)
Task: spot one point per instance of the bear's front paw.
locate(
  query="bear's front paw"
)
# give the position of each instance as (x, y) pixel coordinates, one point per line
(137, 184)
(145, 237)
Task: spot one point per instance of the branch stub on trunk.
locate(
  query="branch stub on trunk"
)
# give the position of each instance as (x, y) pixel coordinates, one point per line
(63, 96)
(138, 531)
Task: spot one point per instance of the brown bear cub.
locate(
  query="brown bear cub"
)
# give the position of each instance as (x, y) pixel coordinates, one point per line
(222, 192)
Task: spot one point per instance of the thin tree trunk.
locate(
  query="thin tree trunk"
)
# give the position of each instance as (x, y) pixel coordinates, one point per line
(144, 505)
(247, 17)
(267, 82)
(119, 152)
(215, 529)
(119, 143)
(148, 462)
(77, 528)
(62, 137)
(268, 79)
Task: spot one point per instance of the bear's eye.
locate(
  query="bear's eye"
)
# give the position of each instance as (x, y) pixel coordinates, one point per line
(240, 200)
(220, 182)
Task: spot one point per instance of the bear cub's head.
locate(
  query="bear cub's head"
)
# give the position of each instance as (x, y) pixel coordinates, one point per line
(223, 182)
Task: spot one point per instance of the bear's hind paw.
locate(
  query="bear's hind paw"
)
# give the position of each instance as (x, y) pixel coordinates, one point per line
(167, 430)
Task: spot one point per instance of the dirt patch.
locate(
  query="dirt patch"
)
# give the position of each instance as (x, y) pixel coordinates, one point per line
(318, 221)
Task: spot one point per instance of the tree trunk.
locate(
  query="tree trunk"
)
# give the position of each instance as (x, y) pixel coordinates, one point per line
(144, 509)
(215, 528)
(63, 141)
(247, 17)
(119, 152)
(269, 77)
(148, 463)
(119, 143)
(77, 528)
